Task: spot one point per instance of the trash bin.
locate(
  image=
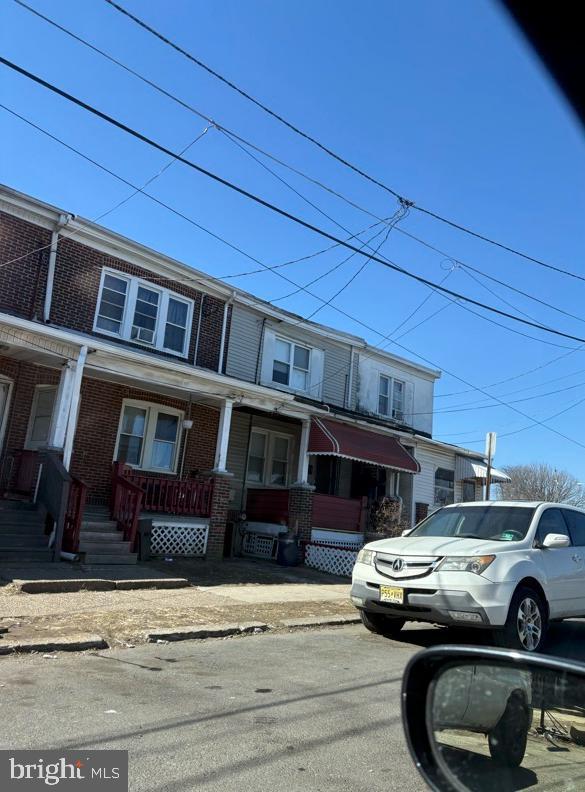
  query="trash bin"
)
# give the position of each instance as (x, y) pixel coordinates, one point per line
(288, 551)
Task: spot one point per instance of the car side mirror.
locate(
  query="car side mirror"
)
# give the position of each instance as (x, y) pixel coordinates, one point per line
(553, 540)
(482, 719)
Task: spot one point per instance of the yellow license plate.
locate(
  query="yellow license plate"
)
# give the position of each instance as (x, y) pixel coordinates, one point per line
(391, 594)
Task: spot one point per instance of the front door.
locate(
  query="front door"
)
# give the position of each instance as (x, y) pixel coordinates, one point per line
(564, 567)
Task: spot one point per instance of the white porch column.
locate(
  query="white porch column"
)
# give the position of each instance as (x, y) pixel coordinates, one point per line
(58, 429)
(74, 406)
(223, 437)
(303, 464)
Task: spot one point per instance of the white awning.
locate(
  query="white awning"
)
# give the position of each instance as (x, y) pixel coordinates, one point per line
(466, 468)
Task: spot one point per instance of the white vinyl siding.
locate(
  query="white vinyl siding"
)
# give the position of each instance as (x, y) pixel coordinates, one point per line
(137, 311)
(149, 436)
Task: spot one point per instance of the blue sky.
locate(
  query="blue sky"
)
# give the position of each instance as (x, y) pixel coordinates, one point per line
(442, 101)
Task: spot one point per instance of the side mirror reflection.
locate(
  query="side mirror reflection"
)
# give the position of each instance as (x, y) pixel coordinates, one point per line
(493, 720)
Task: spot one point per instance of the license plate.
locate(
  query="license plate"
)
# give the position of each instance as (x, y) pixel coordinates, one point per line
(391, 594)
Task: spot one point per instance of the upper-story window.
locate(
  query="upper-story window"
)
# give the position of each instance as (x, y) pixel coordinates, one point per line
(391, 397)
(137, 311)
(292, 364)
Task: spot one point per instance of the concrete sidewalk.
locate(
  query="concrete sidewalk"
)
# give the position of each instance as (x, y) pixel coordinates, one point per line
(126, 616)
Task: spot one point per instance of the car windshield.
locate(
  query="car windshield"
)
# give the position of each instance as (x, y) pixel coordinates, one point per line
(499, 523)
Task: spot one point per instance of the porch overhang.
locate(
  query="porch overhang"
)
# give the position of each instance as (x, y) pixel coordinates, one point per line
(466, 469)
(332, 438)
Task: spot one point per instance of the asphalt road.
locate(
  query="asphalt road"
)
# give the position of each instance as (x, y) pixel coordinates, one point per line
(313, 710)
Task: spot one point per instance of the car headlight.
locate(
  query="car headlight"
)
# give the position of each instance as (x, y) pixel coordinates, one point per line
(365, 556)
(475, 564)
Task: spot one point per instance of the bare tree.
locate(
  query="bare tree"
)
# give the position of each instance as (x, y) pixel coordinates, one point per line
(542, 482)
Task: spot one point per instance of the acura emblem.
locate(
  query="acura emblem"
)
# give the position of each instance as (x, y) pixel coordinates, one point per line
(398, 565)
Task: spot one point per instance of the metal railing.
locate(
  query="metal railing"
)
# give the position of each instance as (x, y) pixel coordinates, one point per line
(62, 496)
(74, 515)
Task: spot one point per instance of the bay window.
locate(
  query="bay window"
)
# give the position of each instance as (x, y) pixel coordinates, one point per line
(137, 311)
(268, 458)
(148, 436)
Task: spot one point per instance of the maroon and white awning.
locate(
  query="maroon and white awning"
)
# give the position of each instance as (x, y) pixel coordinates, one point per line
(332, 438)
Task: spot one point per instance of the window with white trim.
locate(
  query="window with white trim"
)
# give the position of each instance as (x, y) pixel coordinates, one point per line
(41, 415)
(269, 458)
(148, 436)
(292, 364)
(391, 393)
(137, 311)
(444, 486)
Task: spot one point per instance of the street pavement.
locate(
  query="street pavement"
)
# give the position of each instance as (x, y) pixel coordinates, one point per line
(314, 710)
(310, 710)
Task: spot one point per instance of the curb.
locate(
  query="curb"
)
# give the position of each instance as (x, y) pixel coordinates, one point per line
(320, 621)
(205, 631)
(96, 584)
(78, 642)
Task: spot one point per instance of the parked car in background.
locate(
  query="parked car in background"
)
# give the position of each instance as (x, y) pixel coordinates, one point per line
(507, 566)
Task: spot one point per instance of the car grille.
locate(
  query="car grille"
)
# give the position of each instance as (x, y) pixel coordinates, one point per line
(401, 567)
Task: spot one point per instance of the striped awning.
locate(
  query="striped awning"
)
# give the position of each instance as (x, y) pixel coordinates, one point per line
(332, 438)
(466, 468)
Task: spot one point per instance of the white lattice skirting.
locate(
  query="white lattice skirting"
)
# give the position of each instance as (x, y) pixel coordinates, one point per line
(334, 560)
(178, 539)
(259, 545)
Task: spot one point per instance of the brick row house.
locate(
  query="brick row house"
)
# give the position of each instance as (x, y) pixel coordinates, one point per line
(134, 387)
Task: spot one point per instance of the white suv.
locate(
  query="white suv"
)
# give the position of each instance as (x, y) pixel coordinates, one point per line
(512, 566)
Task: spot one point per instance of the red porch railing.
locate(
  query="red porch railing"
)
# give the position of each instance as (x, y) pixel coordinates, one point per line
(267, 505)
(126, 505)
(343, 514)
(74, 514)
(168, 495)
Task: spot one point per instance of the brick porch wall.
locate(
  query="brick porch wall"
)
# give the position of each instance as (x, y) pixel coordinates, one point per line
(97, 428)
(220, 505)
(25, 376)
(300, 510)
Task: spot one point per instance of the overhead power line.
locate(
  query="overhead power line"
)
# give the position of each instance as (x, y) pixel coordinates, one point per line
(245, 145)
(534, 421)
(277, 116)
(276, 209)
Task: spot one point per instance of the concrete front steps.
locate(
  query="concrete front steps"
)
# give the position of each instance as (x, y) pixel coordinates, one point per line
(22, 533)
(100, 542)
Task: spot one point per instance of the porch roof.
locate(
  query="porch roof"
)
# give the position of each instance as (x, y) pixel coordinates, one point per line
(331, 438)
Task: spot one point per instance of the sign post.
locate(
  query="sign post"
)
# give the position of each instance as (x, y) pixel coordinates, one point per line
(490, 450)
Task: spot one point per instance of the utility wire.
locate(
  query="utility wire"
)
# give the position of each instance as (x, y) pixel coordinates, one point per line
(330, 152)
(470, 385)
(271, 206)
(234, 137)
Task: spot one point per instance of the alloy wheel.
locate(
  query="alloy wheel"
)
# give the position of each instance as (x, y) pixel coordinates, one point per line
(529, 624)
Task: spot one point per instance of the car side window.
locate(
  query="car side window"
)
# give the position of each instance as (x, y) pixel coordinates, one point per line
(576, 523)
(551, 521)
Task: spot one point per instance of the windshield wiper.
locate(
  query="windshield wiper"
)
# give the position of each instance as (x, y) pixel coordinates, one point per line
(467, 536)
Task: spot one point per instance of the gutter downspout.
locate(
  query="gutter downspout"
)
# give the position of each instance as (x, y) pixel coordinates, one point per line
(350, 378)
(223, 332)
(198, 329)
(62, 222)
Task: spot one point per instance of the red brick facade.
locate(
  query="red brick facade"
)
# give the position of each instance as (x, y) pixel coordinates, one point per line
(22, 284)
(300, 510)
(97, 429)
(217, 520)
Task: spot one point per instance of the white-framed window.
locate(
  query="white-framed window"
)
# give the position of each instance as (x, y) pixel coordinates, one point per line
(391, 397)
(137, 311)
(148, 436)
(269, 458)
(291, 365)
(41, 415)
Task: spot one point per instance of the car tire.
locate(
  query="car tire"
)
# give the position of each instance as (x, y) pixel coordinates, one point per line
(507, 741)
(380, 624)
(527, 623)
